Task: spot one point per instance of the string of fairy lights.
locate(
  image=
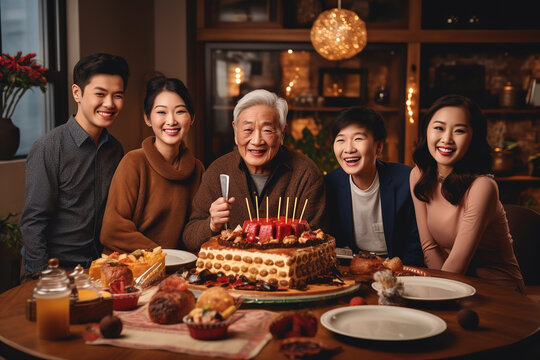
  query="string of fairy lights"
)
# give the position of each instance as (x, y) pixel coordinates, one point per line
(409, 103)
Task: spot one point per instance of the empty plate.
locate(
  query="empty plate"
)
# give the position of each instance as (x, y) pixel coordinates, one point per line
(379, 322)
(178, 257)
(432, 288)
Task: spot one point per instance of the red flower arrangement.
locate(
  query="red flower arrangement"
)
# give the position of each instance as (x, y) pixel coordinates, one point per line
(18, 74)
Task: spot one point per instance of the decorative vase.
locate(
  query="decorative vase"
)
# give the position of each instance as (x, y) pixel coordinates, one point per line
(503, 161)
(9, 139)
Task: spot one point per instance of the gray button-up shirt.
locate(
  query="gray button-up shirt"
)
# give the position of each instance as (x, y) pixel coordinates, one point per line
(67, 181)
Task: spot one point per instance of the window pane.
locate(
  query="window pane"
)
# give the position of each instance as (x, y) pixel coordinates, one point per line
(21, 32)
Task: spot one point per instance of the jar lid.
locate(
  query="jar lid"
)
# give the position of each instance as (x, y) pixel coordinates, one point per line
(52, 280)
(83, 280)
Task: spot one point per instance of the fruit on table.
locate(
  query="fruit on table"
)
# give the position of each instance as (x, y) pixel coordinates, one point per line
(110, 326)
(468, 319)
(357, 300)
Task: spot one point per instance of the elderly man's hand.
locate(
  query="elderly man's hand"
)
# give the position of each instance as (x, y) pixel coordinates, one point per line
(220, 213)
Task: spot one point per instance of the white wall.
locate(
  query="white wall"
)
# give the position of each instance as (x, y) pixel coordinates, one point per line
(170, 44)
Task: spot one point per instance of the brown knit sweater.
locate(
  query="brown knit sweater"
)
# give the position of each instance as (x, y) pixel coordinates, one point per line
(293, 175)
(149, 199)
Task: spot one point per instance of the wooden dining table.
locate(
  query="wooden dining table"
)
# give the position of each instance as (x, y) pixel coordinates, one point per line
(509, 326)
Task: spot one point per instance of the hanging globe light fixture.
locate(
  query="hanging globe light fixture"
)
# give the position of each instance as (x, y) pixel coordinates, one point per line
(338, 34)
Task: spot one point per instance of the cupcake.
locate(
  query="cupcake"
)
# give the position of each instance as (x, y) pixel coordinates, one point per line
(212, 314)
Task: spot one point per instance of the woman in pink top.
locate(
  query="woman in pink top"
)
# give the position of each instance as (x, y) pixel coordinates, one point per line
(461, 222)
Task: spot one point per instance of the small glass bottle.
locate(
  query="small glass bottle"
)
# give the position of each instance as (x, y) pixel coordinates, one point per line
(52, 302)
(85, 289)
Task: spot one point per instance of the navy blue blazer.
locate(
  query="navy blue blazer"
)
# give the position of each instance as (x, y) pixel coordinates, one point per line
(399, 218)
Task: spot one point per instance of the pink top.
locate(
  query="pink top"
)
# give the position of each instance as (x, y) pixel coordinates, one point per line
(472, 237)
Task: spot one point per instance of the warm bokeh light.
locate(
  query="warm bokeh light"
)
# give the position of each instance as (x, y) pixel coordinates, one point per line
(338, 34)
(409, 103)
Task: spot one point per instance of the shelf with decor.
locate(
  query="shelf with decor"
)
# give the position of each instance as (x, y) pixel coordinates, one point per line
(416, 29)
(381, 109)
(520, 178)
(316, 89)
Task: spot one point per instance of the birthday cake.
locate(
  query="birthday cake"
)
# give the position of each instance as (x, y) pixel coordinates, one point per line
(280, 251)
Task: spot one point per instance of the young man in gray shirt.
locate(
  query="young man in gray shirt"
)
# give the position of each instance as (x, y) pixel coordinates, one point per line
(68, 170)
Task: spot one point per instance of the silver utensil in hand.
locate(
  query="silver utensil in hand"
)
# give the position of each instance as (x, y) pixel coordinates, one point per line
(224, 180)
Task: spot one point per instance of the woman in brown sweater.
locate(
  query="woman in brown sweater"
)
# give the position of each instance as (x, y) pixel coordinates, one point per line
(152, 189)
(260, 167)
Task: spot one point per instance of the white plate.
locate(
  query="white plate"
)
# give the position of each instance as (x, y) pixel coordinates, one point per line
(379, 322)
(178, 257)
(432, 288)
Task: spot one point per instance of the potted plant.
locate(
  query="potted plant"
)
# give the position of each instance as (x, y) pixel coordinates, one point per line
(10, 248)
(17, 74)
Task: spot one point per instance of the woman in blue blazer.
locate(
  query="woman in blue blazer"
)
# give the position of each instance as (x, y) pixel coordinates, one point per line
(369, 204)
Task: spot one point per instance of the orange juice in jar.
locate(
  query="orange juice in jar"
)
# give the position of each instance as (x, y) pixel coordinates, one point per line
(52, 314)
(52, 303)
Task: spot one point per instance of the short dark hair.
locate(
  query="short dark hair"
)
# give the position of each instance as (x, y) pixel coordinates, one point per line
(361, 116)
(159, 83)
(99, 64)
(475, 162)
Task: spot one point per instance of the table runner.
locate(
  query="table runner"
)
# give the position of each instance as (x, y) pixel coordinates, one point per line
(245, 339)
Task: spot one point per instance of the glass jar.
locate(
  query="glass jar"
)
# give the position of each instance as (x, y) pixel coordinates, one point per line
(508, 96)
(85, 289)
(52, 302)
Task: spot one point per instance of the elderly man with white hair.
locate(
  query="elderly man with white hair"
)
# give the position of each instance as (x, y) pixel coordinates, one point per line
(259, 168)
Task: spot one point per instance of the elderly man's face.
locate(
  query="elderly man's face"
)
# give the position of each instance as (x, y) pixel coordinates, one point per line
(258, 137)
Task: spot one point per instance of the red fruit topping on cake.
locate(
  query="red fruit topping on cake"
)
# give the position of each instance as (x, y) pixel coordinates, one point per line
(283, 230)
(266, 231)
(252, 228)
(298, 228)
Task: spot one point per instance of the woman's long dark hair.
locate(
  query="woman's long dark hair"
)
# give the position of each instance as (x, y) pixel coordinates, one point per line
(159, 83)
(477, 160)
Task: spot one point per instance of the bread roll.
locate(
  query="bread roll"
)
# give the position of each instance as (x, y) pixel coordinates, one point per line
(215, 298)
(169, 307)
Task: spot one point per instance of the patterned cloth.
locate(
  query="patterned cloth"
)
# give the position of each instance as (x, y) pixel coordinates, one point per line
(246, 337)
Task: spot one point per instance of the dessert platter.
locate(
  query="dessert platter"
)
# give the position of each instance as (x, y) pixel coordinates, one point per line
(133, 267)
(271, 260)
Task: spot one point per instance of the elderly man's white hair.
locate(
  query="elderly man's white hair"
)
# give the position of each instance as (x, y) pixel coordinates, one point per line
(262, 97)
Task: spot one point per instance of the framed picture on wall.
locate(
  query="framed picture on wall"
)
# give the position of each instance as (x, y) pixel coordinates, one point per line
(342, 86)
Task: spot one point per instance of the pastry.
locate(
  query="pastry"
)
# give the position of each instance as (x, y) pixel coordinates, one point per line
(171, 302)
